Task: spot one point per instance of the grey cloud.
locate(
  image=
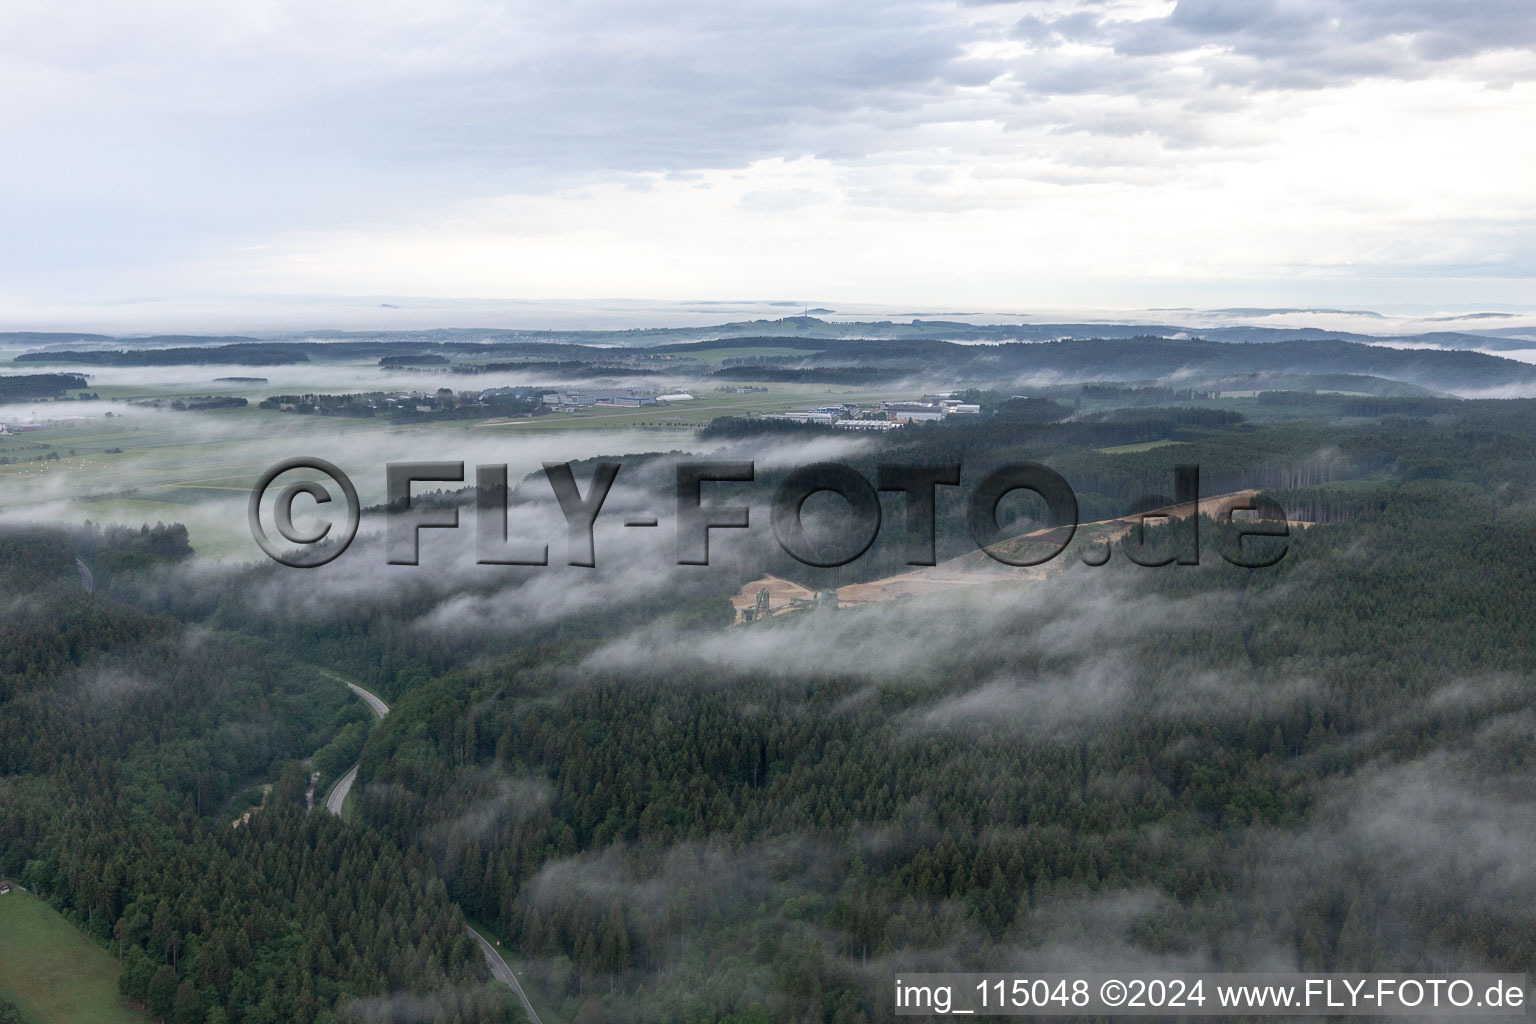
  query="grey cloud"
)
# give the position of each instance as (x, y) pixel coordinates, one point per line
(571, 89)
(1316, 43)
(1266, 44)
(332, 125)
(483, 100)
(349, 117)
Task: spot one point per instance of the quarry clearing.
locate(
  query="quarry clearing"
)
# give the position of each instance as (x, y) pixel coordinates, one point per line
(975, 568)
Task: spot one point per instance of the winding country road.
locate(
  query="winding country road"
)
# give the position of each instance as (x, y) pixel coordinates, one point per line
(378, 707)
(493, 960)
(344, 786)
(340, 790)
(503, 973)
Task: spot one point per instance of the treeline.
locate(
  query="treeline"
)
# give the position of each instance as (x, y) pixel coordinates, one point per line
(1319, 404)
(1107, 360)
(31, 387)
(443, 405)
(251, 353)
(1153, 394)
(733, 428)
(854, 361)
(849, 375)
(569, 369)
(1017, 408)
(197, 403)
(414, 359)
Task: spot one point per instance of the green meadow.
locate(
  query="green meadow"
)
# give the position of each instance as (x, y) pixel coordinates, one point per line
(52, 972)
(197, 467)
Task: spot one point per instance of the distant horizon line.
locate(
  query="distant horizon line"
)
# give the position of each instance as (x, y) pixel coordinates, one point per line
(291, 315)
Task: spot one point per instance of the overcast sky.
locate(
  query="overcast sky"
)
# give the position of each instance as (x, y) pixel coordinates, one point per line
(1000, 155)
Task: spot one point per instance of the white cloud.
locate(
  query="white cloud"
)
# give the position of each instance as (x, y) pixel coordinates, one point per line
(1003, 154)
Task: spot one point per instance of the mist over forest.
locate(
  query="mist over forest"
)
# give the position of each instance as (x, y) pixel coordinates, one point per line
(767, 513)
(759, 789)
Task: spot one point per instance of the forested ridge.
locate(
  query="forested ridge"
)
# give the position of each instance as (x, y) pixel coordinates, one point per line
(121, 734)
(1320, 765)
(813, 838)
(240, 352)
(812, 827)
(998, 354)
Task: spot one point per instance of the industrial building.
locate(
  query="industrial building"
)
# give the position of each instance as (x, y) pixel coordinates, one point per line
(929, 409)
(803, 417)
(628, 398)
(914, 412)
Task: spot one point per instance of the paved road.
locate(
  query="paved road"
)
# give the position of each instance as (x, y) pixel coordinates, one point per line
(503, 973)
(378, 707)
(338, 796)
(339, 792)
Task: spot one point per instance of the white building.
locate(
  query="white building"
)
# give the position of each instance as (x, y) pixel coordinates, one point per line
(802, 417)
(873, 425)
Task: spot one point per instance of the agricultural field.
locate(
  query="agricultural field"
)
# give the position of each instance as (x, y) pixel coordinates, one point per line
(197, 468)
(141, 465)
(52, 972)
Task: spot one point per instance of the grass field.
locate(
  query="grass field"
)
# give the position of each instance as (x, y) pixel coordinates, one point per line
(52, 972)
(196, 468)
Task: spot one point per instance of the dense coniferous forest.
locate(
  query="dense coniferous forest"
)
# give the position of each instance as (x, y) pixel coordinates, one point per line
(1322, 765)
(123, 733)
